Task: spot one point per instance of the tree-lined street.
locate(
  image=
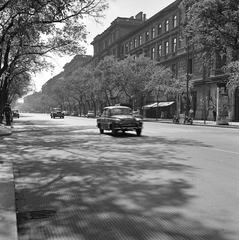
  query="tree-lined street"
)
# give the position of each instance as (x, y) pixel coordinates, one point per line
(173, 182)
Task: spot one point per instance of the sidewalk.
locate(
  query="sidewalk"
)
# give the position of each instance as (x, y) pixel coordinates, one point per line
(196, 122)
(8, 224)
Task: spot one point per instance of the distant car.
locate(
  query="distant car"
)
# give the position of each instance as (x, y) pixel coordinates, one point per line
(56, 112)
(119, 118)
(15, 113)
(90, 114)
(74, 113)
(137, 114)
(66, 113)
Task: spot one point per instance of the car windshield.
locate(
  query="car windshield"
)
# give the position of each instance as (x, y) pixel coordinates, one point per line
(120, 111)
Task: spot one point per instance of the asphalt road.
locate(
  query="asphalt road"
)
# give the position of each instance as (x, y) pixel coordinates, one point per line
(173, 182)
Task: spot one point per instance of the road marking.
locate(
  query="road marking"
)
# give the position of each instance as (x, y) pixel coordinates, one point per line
(221, 150)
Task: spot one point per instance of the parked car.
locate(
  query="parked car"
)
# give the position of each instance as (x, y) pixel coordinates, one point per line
(119, 118)
(66, 113)
(137, 114)
(15, 113)
(56, 112)
(74, 113)
(90, 114)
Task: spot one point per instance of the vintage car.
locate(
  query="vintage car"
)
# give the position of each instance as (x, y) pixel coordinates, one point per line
(56, 112)
(119, 118)
(90, 114)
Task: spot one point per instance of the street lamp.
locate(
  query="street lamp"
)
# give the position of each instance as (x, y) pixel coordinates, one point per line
(157, 103)
(187, 98)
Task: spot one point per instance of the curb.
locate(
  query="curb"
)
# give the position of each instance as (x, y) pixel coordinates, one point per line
(8, 219)
(195, 123)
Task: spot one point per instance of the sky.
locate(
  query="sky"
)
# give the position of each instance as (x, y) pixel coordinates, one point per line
(117, 8)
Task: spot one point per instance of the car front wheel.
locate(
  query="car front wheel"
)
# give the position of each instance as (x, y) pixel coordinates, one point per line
(101, 130)
(138, 131)
(114, 131)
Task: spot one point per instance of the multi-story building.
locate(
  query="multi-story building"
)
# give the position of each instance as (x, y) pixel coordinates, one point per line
(160, 38)
(75, 63)
(157, 38)
(109, 42)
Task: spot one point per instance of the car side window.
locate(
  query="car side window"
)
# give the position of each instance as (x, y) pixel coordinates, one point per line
(103, 113)
(107, 114)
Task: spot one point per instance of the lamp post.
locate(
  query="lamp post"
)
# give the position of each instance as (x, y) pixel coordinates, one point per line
(187, 86)
(157, 103)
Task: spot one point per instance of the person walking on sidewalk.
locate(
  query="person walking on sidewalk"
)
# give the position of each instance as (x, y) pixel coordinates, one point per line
(214, 115)
(7, 112)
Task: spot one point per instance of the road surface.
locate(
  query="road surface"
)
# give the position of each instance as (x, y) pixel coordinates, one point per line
(173, 182)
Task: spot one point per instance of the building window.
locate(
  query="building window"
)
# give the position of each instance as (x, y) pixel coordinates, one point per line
(126, 48)
(166, 48)
(153, 52)
(166, 25)
(175, 21)
(135, 42)
(159, 29)
(153, 32)
(113, 51)
(130, 45)
(159, 50)
(147, 36)
(122, 49)
(140, 40)
(174, 48)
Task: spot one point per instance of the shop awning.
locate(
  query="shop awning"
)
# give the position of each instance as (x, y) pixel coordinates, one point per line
(160, 104)
(148, 105)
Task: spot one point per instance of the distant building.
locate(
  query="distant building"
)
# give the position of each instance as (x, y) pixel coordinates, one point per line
(75, 63)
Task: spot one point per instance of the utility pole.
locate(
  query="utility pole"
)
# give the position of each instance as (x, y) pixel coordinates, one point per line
(157, 103)
(187, 87)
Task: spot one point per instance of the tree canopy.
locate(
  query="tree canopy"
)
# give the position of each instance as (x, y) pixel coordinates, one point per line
(213, 28)
(30, 30)
(212, 25)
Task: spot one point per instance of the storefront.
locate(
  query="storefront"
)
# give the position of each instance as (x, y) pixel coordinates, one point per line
(159, 110)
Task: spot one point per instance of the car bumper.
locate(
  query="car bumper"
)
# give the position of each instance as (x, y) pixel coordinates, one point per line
(127, 128)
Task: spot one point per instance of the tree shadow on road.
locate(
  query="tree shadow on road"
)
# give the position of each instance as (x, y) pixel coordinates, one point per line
(102, 187)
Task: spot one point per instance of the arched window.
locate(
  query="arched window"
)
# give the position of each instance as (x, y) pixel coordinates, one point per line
(166, 25)
(175, 21)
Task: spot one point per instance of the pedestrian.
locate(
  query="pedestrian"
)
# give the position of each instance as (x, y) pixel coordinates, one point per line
(7, 112)
(214, 115)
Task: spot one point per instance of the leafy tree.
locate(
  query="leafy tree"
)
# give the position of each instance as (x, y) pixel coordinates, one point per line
(212, 25)
(213, 28)
(36, 28)
(233, 69)
(106, 74)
